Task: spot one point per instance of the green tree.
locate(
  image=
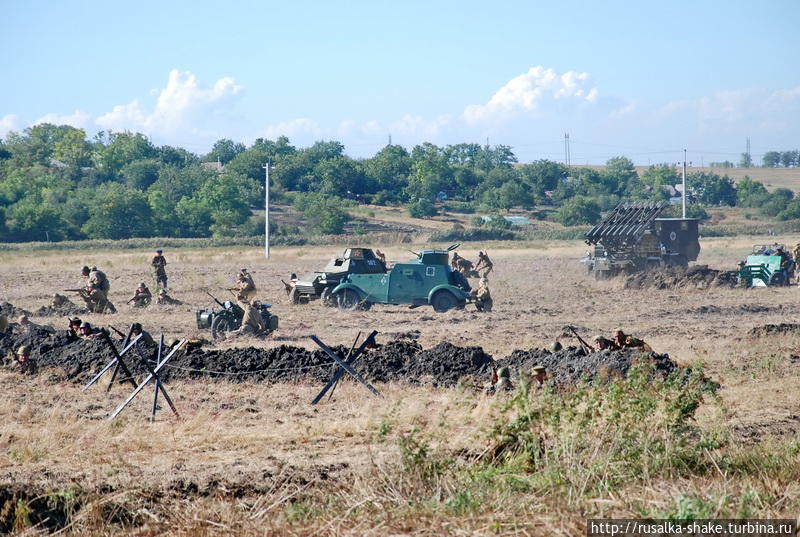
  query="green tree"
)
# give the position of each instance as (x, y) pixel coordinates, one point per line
(389, 169)
(421, 208)
(118, 212)
(323, 213)
(72, 148)
(750, 193)
(771, 159)
(140, 174)
(578, 211)
(711, 189)
(114, 150)
(224, 151)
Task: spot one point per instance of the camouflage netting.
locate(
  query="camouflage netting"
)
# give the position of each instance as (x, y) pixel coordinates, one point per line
(398, 360)
(694, 277)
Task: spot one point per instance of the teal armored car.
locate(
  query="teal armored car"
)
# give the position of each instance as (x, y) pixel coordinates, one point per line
(426, 280)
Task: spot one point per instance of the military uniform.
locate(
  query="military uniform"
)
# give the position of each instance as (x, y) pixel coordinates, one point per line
(246, 288)
(165, 300)
(141, 297)
(502, 382)
(146, 337)
(252, 321)
(159, 264)
(484, 264)
(483, 298)
(796, 255)
(99, 286)
(3, 323)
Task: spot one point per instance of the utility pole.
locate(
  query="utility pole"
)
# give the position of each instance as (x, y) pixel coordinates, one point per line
(266, 209)
(683, 185)
(566, 149)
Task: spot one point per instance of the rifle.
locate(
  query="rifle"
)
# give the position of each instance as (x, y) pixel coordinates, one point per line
(79, 290)
(221, 305)
(117, 331)
(286, 286)
(586, 346)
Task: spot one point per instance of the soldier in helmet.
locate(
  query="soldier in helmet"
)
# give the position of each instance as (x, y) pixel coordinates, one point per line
(136, 330)
(484, 265)
(482, 296)
(252, 321)
(622, 341)
(556, 346)
(141, 297)
(98, 287)
(501, 381)
(74, 327)
(245, 287)
(165, 300)
(600, 343)
(58, 301)
(26, 364)
(159, 264)
(87, 331)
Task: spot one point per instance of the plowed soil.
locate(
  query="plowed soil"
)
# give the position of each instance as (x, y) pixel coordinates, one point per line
(695, 277)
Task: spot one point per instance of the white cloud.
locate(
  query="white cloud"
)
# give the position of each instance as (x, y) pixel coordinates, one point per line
(182, 105)
(9, 123)
(303, 128)
(528, 91)
(419, 126)
(77, 119)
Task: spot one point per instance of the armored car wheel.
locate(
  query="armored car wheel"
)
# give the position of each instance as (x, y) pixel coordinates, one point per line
(443, 301)
(347, 299)
(326, 298)
(220, 327)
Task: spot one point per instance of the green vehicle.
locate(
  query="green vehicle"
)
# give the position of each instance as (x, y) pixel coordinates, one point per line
(426, 280)
(763, 267)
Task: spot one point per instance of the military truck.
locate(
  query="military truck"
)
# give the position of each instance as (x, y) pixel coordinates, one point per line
(762, 268)
(426, 280)
(319, 284)
(632, 238)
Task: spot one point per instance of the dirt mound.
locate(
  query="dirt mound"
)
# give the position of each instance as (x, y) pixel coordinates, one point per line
(67, 310)
(568, 365)
(12, 311)
(768, 330)
(402, 360)
(694, 277)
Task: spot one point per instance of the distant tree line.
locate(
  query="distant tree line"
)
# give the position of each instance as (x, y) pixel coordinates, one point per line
(786, 159)
(55, 184)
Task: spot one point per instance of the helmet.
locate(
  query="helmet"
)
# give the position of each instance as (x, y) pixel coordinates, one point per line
(142, 284)
(85, 269)
(539, 369)
(162, 291)
(556, 346)
(136, 326)
(159, 251)
(86, 324)
(293, 276)
(24, 349)
(504, 372)
(94, 268)
(55, 295)
(75, 320)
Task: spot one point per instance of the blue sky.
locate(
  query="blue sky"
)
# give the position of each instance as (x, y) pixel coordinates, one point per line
(623, 78)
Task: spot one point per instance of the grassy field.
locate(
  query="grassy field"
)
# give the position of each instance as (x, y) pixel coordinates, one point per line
(255, 459)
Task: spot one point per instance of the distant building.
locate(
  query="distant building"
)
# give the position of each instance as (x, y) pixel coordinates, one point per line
(215, 166)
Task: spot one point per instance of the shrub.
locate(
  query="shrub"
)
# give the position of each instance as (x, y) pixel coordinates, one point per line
(421, 208)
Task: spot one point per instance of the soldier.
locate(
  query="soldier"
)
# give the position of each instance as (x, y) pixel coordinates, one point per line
(501, 382)
(380, 256)
(136, 329)
(540, 375)
(98, 287)
(159, 264)
(165, 300)
(246, 287)
(482, 296)
(252, 321)
(461, 265)
(74, 327)
(141, 297)
(27, 326)
(26, 365)
(601, 343)
(59, 301)
(796, 255)
(622, 341)
(484, 264)
(786, 263)
(88, 332)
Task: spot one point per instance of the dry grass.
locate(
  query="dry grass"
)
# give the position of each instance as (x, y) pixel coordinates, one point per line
(251, 459)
